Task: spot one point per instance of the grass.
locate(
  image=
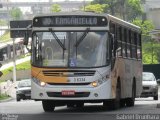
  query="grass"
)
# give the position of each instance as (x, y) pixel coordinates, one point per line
(3, 22)
(5, 37)
(4, 96)
(22, 66)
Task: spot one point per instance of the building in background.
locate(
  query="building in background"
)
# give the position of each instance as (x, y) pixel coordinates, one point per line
(41, 7)
(152, 12)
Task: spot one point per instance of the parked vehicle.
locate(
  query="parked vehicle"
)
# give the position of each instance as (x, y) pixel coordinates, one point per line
(24, 89)
(150, 86)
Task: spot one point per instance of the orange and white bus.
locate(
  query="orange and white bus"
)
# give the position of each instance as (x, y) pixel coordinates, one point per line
(82, 58)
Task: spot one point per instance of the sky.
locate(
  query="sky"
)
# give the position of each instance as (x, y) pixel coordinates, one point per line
(28, 9)
(24, 9)
(44, 0)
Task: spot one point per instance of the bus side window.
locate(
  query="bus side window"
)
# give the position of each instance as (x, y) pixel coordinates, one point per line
(119, 41)
(129, 44)
(125, 42)
(113, 31)
(133, 40)
(139, 54)
(124, 53)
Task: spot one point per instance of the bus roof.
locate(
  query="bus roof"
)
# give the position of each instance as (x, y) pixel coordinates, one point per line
(108, 16)
(70, 13)
(124, 23)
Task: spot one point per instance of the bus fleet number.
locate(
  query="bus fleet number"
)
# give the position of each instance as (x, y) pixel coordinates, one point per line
(79, 80)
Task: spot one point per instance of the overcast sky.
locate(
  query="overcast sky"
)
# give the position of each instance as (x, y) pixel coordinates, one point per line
(28, 9)
(43, 0)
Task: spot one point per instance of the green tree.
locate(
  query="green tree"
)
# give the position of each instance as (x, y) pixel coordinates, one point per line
(133, 9)
(146, 26)
(150, 48)
(55, 8)
(125, 9)
(98, 8)
(111, 5)
(16, 13)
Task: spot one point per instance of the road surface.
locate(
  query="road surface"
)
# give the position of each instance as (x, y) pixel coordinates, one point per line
(32, 110)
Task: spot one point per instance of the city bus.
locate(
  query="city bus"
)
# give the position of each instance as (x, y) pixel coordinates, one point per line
(85, 57)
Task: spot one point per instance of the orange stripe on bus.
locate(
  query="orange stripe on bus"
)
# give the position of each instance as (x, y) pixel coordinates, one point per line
(37, 73)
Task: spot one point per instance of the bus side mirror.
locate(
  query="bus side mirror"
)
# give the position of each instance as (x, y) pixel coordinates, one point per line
(26, 38)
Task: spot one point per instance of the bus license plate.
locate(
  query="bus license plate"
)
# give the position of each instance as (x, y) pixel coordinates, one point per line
(68, 92)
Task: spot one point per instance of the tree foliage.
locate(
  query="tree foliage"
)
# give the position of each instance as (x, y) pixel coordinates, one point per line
(98, 8)
(146, 26)
(55, 8)
(111, 5)
(125, 9)
(151, 54)
(133, 9)
(150, 48)
(16, 13)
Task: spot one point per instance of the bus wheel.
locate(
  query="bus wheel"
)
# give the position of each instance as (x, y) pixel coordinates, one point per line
(70, 105)
(122, 103)
(155, 97)
(18, 98)
(48, 105)
(130, 101)
(80, 105)
(114, 104)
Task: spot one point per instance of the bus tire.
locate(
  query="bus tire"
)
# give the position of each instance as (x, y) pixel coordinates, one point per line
(48, 105)
(80, 105)
(70, 105)
(155, 97)
(18, 99)
(130, 101)
(115, 103)
(122, 103)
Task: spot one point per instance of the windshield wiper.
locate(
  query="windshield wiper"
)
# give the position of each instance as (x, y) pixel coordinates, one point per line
(82, 37)
(58, 40)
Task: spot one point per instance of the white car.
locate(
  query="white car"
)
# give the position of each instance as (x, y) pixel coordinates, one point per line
(24, 90)
(150, 86)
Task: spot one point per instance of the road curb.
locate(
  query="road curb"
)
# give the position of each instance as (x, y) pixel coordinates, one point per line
(6, 100)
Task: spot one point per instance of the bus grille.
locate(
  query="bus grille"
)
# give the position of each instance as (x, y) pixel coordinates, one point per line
(69, 84)
(68, 73)
(77, 94)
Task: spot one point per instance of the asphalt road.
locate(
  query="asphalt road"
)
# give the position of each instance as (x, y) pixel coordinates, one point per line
(32, 110)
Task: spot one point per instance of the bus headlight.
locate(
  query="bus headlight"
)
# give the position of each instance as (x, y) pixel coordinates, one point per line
(98, 82)
(40, 83)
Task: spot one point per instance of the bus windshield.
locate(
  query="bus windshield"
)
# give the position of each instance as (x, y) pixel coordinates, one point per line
(70, 49)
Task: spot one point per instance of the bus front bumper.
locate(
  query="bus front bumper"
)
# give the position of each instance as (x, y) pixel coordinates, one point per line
(101, 92)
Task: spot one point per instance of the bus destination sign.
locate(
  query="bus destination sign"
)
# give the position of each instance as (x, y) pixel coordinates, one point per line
(61, 21)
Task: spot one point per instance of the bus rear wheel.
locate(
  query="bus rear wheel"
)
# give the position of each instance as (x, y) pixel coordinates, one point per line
(48, 105)
(130, 101)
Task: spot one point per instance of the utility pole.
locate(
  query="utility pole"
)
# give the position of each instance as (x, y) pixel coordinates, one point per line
(14, 62)
(0, 76)
(152, 49)
(84, 4)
